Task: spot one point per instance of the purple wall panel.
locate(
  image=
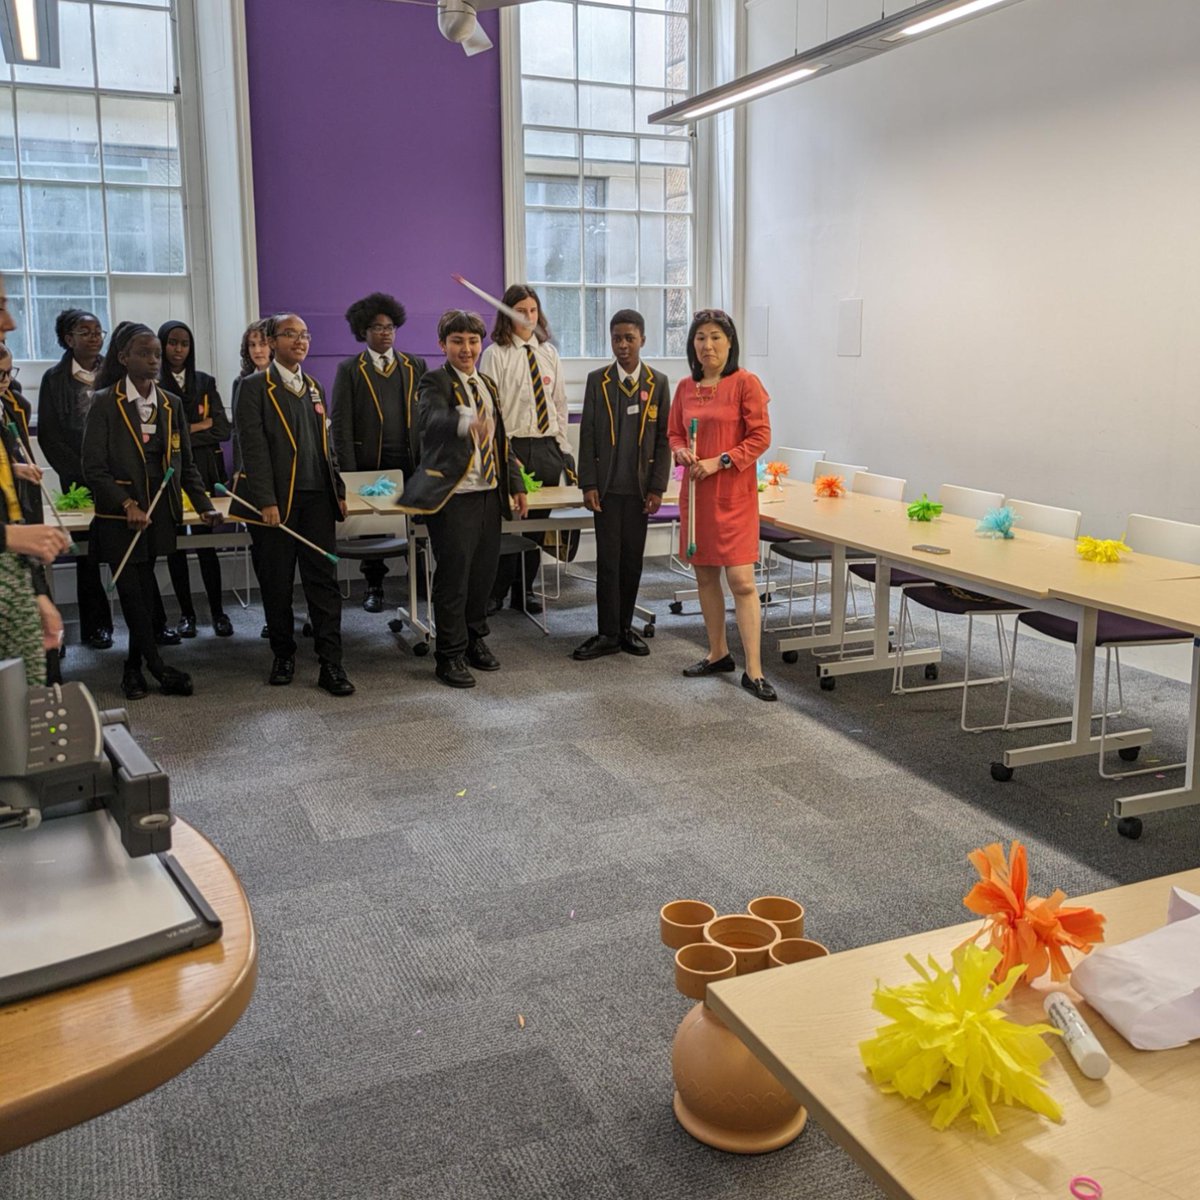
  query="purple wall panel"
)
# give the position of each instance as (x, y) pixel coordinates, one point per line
(377, 165)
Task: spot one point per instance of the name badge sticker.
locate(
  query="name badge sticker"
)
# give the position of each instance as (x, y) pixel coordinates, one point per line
(631, 410)
(643, 395)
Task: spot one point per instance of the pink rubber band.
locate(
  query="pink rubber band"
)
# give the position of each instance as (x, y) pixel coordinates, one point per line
(1080, 1182)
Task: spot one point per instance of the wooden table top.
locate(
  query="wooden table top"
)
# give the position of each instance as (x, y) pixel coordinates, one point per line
(70, 1055)
(1135, 1128)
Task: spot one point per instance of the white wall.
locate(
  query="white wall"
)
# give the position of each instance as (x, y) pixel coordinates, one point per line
(1017, 203)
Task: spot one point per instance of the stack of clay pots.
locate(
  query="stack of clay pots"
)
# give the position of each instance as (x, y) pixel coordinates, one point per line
(724, 1096)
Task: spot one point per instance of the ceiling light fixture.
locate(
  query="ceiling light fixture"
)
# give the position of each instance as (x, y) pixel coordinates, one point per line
(29, 32)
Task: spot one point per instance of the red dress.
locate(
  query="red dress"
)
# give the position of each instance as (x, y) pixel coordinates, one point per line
(732, 421)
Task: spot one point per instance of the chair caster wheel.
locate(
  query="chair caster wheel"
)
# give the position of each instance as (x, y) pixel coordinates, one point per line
(396, 625)
(828, 683)
(306, 629)
(648, 630)
(420, 649)
(1129, 754)
(791, 656)
(931, 670)
(676, 607)
(1130, 827)
(1001, 773)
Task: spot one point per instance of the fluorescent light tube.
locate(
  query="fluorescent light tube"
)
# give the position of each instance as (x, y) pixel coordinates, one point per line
(944, 18)
(27, 28)
(748, 93)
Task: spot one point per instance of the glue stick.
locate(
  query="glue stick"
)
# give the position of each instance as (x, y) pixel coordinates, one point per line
(1080, 1040)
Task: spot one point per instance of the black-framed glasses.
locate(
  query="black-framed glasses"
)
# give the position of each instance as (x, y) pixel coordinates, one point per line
(10, 373)
(381, 328)
(295, 335)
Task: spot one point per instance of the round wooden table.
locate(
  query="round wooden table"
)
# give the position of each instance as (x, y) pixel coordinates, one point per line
(70, 1055)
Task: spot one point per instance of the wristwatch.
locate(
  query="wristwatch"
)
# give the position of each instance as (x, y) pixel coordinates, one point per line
(726, 462)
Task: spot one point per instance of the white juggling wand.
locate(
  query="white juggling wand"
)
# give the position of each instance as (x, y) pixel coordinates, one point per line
(222, 490)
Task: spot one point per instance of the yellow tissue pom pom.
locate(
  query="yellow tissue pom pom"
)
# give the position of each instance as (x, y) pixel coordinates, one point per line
(1102, 550)
(949, 1044)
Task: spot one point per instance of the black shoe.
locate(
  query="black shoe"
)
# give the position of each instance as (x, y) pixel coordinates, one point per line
(453, 672)
(760, 687)
(480, 657)
(167, 636)
(704, 667)
(133, 684)
(264, 632)
(100, 639)
(333, 680)
(494, 605)
(596, 647)
(373, 600)
(632, 644)
(282, 670)
(222, 625)
(530, 603)
(186, 628)
(174, 683)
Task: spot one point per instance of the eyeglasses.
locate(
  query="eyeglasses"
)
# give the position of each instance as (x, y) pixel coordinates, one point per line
(296, 335)
(11, 373)
(381, 329)
(712, 314)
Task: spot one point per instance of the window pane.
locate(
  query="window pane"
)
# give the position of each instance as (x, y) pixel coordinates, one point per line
(145, 230)
(133, 50)
(609, 185)
(141, 143)
(678, 190)
(646, 102)
(64, 227)
(652, 306)
(650, 61)
(17, 339)
(562, 313)
(8, 137)
(653, 249)
(605, 108)
(678, 317)
(554, 191)
(75, 52)
(599, 304)
(552, 246)
(546, 103)
(655, 150)
(677, 53)
(12, 256)
(53, 293)
(547, 40)
(612, 149)
(610, 248)
(541, 143)
(604, 45)
(679, 250)
(57, 132)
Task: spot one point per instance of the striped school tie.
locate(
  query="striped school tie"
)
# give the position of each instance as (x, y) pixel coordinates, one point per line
(539, 392)
(487, 450)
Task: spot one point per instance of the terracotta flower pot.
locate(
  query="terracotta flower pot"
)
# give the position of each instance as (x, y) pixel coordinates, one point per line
(794, 950)
(682, 922)
(785, 914)
(724, 1096)
(750, 938)
(698, 965)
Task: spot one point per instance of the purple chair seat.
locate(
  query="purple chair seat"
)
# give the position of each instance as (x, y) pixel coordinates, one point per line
(808, 550)
(769, 533)
(899, 578)
(957, 601)
(1112, 629)
(665, 515)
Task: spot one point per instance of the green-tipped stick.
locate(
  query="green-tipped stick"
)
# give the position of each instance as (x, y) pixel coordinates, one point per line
(222, 490)
(691, 550)
(162, 487)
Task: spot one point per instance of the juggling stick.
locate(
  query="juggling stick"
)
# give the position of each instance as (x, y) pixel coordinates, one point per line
(112, 583)
(20, 446)
(692, 489)
(222, 490)
(498, 305)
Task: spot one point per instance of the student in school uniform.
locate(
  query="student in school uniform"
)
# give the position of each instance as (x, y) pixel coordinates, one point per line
(624, 465)
(290, 474)
(533, 399)
(63, 399)
(208, 429)
(135, 431)
(374, 402)
(466, 482)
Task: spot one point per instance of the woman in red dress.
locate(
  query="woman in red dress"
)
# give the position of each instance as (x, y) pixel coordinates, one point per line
(733, 429)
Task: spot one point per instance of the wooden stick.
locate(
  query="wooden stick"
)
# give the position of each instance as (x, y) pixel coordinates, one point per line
(691, 550)
(222, 490)
(162, 487)
(20, 446)
(498, 305)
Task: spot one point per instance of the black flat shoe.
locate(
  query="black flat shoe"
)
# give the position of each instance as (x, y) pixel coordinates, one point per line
(453, 673)
(596, 647)
(101, 639)
(494, 606)
(481, 658)
(264, 632)
(133, 684)
(760, 687)
(333, 680)
(373, 601)
(632, 644)
(167, 637)
(222, 625)
(531, 604)
(704, 667)
(174, 683)
(282, 670)
(186, 627)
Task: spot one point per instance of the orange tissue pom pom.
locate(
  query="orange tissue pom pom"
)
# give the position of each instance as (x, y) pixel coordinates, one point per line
(1036, 931)
(830, 485)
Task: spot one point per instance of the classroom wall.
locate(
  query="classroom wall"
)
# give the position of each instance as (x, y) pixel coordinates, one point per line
(377, 165)
(1017, 204)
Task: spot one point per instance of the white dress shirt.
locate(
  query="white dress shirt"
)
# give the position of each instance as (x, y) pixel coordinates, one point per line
(145, 404)
(474, 481)
(83, 374)
(509, 367)
(381, 361)
(292, 380)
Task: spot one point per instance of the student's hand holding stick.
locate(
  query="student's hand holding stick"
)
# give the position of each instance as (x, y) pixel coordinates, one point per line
(27, 472)
(43, 542)
(139, 523)
(273, 509)
(26, 465)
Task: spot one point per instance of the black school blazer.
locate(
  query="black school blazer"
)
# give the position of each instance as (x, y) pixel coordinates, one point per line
(598, 429)
(358, 416)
